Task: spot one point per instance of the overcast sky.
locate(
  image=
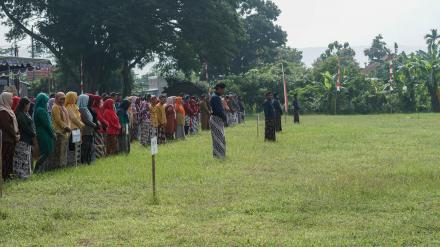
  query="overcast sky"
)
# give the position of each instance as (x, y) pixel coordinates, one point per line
(315, 23)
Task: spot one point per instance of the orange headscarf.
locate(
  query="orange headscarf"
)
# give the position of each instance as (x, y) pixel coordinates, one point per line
(179, 107)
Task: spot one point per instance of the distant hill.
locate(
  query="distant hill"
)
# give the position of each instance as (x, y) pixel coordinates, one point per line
(310, 54)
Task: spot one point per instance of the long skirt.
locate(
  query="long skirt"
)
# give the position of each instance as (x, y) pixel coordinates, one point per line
(218, 137)
(8, 150)
(124, 143)
(74, 153)
(87, 149)
(134, 135)
(187, 125)
(58, 159)
(112, 144)
(194, 124)
(270, 133)
(278, 124)
(239, 118)
(145, 133)
(99, 150)
(205, 121)
(161, 137)
(296, 116)
(23, 160)
(180, 132)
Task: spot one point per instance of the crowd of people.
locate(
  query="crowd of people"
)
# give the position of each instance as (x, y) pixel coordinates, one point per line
(64, 130)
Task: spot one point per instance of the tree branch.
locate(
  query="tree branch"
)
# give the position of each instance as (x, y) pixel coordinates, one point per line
(29, 32)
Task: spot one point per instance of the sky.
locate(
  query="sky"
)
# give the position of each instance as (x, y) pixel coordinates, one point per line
(316, 23)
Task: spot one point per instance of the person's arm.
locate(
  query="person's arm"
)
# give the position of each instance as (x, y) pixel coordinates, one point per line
(56, 117)
(74, 119)
(8, 128)
(42, 120)
(86, 121)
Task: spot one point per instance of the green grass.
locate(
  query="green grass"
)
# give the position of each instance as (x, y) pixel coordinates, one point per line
(333, 181)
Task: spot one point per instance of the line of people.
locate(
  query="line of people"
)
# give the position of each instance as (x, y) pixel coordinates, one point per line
(64, 130)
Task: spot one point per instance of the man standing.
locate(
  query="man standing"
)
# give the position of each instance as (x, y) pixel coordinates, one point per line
(278, 113)
(217, 122)
(269, 114)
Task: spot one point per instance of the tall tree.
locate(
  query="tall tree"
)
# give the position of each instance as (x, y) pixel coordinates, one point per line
(378, 50)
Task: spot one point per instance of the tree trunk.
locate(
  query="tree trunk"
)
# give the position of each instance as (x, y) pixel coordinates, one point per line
(126, 82)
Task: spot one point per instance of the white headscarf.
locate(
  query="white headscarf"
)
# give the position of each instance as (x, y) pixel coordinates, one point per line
(6, 105)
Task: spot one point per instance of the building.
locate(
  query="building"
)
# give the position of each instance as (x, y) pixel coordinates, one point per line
(155, 85)
(17, 72)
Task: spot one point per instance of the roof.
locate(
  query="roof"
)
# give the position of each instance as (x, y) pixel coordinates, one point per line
(25, 62)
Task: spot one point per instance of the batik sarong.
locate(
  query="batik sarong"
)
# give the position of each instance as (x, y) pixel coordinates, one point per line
(270, 133)
(218, 137)
(23, 160)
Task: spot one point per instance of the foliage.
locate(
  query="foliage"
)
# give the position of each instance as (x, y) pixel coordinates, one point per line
(334, 181)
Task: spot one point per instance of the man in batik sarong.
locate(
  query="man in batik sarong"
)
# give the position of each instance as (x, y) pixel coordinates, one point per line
(269, 114)
(217, 122)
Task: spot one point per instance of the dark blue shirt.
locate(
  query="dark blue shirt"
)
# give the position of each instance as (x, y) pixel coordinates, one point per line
(217, 107)
(269, 110)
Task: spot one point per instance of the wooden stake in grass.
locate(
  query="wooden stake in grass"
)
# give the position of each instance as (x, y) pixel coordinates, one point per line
(154, 152)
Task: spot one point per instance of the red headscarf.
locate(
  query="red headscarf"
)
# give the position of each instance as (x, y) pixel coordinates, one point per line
(110, 116)
(15, 101)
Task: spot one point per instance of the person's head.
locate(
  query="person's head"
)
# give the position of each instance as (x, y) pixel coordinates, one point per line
(153, 100)
(203, 97)
(52, 96)
(220, 89)
(113, 95)
(60, 98)
(109, 104)
(182, 95)
(125, 104)
(71, 98)
(269, 96)
(83, 101)
(42, 102)
(118, 97)
(163, 99)
(23, 105)
(148, 98)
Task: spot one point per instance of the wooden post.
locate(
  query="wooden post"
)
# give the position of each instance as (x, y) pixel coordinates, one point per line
(1, 167)
(154, 152)
(154, 177)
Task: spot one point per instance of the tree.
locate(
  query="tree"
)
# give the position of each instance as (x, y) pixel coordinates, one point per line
(262, 37)
(378, 50)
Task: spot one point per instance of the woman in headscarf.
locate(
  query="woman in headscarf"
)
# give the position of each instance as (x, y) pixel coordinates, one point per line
(205, 111)
(154, 114)
(194, 115)
(45, 133)
(61, 126)
(88, 130)
(188, 114)
(23, 150)
(133, 118)
(180, 119)
(74, 151)
(50, 104)
(15, 102)
(10, 134)
(113, 128)
(100, 132)
(145, 122)
(170, 111)
(162, 120)
(124, 120)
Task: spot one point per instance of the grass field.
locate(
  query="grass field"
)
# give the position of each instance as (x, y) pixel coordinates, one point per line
(333, 181)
